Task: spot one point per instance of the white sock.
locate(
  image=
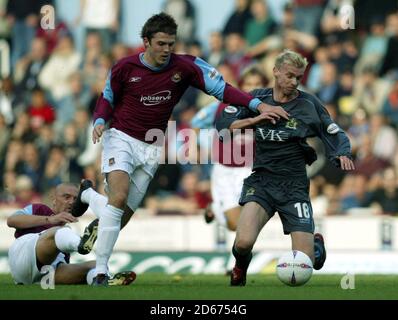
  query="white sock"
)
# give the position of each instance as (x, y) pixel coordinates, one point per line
(66, 240)
(108, 232)
(95, 200)
(90, 276)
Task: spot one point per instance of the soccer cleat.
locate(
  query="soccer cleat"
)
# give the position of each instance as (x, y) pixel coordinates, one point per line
(238, 277)
(101, 280)
(122, 278)
(79, 207)
(318, 241)
(88, 239)
(208, 214)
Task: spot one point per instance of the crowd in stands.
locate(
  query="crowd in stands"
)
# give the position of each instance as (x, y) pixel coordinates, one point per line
(47, 101)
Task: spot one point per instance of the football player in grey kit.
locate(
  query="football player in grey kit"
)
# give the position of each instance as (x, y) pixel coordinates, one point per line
(279, 181)
(139, 96)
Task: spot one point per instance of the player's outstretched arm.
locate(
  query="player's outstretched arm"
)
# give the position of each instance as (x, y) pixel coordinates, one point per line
(23, 221)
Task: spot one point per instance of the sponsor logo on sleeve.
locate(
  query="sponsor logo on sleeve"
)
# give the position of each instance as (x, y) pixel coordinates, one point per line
(231, 109)
(213, 74)
(333, 128)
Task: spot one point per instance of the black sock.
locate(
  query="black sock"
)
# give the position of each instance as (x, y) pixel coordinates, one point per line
(242, 261)
(318, 251)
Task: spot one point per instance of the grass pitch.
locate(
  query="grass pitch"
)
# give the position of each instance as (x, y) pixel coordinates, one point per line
(211, 287)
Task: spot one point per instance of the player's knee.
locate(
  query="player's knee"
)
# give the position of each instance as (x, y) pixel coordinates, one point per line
(243, 245)
(118, 200)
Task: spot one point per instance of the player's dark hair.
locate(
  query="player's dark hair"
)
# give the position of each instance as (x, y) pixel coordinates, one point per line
(161, 22)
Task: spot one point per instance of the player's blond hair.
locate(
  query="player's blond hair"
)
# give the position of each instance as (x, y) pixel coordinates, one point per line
(291, 58)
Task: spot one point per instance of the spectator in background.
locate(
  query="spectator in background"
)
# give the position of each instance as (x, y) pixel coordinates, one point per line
(93, 51)
(390, 106)
(238, 19)
(25, 192)
(385, 198)
(40, 111)
(235, 54)
(184, 14)
(55, 74)
(4, 23)
(31, 165)
(260, 25)
(7, 98)
(307, 15)
(367, 163)
(23, 15)
(56, 169)
(216, 54)
(389, 64)
(370, 91)
(28, 68)
(355, 193)
(78, 98)
(315, 74)
(22, 129)
(374, 46)
(52, 36)
(101, 16)
(329, 85)
(384, 138)
(4, 136)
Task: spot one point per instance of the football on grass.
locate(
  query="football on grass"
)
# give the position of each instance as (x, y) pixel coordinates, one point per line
(294, 268)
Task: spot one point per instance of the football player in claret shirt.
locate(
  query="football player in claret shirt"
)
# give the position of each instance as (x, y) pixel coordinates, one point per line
(42, 239)
(279, 181)
(138, 99)
(227, 173)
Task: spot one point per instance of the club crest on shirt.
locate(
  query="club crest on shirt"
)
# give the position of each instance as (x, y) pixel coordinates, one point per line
(292, 124)
(176, 77)
(111, 161)
(251, 191)
(135, 79)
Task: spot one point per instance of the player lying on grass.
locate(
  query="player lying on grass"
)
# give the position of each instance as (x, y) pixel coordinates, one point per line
(43, 239)
(279, 181)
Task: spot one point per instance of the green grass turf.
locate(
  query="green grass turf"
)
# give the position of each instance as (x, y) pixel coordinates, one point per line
(208, 287)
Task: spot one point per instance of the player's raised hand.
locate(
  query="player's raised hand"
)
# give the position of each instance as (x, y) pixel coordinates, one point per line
(97, 132)
(346, 163)
(275, 112)
(62, 218)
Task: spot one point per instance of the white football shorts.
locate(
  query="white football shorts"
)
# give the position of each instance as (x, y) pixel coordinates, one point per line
(226, 187)
(139, 159)
(22, 259)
